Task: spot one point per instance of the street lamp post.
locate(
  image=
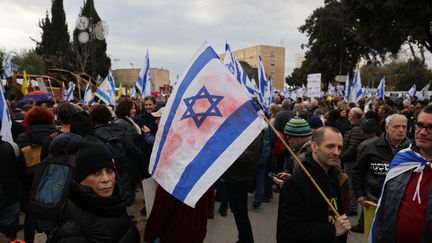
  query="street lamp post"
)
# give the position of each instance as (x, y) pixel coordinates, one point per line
(90, 31)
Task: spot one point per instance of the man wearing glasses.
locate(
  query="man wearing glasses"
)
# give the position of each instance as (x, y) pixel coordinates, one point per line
(404, 211)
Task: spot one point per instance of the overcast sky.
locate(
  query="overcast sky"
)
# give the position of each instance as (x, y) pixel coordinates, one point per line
(172, 30)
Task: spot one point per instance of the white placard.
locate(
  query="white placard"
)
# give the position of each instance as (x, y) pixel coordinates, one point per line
(314, 85)
(149, 188)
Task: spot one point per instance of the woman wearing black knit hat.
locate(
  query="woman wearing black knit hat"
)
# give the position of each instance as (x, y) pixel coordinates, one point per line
(95, 211)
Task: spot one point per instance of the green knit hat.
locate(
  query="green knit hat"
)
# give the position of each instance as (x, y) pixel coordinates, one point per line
(297, 127)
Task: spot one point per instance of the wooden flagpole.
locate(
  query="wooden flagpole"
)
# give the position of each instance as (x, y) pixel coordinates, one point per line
(296, 159)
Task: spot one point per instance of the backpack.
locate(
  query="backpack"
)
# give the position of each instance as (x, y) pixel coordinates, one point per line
(113, 140)
(50, 189)
(32, 154)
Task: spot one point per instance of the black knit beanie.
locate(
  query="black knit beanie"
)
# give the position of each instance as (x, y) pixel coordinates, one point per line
(91, 157)
(81, 124)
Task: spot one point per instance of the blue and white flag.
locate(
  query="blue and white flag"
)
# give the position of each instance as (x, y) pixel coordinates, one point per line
(331, 90)
(347, 92)
(143, 80)
(286, 91)
(405, 160)
(133, 93)
(5, 117)
(356, 92)
(264, 89)
(8, 72)
(6, 122)
(381, 89)
(412, 91)
(237, 70)
(206, 125)
(69, 93)
(88, 96)
(424, 93)
(105, 91)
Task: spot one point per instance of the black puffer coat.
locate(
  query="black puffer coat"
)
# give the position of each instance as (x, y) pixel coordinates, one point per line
(12, 172)
(95, 219)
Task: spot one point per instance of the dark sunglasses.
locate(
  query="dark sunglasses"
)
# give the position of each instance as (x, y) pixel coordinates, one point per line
(418, 126)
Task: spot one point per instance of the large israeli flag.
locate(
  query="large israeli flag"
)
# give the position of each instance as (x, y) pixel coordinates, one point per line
(143, 80)
(69, 93)
(207, 123)
(381, 89)
(6, 122)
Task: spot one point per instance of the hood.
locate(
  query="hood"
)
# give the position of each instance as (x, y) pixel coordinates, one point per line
(107, 131)
(65, 143)
(36, 134)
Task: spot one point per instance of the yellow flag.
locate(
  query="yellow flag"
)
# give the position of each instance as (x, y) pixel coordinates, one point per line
(25, 84)
(120, 91)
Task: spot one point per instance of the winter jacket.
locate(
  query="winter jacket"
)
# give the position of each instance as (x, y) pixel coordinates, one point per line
(303, 215)
(35, 135)
(95, 219)
(243, 170)
(371, 168)
(352, 138)
(12, 172)
(134, 163)
(384, 226)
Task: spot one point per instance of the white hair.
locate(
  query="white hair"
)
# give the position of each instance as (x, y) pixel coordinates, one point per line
(390, 118)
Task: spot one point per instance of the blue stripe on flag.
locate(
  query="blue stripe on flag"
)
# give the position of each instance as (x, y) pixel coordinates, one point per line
(1, 104)
(104, 96)
(227, 133)
(205, 57)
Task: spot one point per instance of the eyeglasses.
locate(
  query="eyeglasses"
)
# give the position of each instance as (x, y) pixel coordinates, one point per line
(418, 126)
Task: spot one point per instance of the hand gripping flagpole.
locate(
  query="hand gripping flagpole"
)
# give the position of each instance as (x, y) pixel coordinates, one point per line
(296, 159)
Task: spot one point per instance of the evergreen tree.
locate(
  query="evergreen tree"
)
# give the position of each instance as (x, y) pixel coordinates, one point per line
(55, 43)
(91, 57)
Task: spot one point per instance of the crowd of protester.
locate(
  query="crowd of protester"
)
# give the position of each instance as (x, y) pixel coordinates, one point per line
(109, 150)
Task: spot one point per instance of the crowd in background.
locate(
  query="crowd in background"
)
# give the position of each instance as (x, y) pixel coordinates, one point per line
(99, 134)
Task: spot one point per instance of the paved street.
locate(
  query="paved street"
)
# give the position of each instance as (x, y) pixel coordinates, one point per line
(223, 229)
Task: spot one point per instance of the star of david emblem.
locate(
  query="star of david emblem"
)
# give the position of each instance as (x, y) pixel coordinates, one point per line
(199, 116)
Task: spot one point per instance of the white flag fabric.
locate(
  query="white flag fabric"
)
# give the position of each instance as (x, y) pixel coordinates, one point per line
(105, 92)
(331, 90)
(41, 84)
(412, 91)
(88, 96)
(206, 125)
(381, 89)
(347, 92)
(264, 88)
(69, 93)
(143, 80)
(8, 72)
(424, 93)
(6, 122)
(237, 70)
(356, 92)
